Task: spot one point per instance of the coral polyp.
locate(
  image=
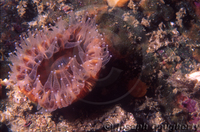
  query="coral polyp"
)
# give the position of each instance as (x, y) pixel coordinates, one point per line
(54, 67)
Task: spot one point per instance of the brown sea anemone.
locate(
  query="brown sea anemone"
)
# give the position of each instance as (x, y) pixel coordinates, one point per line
(56, 66)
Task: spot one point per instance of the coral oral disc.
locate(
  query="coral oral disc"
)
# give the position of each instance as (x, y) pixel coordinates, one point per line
(56, 67)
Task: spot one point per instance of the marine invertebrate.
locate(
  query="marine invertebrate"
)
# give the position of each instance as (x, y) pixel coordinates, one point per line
(137, 88)
(56, 67)
(117, 3)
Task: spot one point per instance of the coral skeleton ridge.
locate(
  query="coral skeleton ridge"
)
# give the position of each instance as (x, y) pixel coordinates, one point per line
(54, 67)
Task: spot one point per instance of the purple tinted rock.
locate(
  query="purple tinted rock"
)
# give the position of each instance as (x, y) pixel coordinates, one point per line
(190, 105)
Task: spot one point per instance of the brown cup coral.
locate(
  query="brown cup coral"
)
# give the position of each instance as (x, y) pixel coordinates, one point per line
(56, 67)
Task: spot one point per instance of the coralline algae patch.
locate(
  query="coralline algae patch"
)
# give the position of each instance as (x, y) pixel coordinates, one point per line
(56, 67)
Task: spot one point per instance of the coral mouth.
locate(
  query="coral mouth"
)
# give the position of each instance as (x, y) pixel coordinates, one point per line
(48, 65)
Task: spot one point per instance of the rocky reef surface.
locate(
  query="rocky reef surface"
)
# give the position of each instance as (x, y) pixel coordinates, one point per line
(152, 82)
